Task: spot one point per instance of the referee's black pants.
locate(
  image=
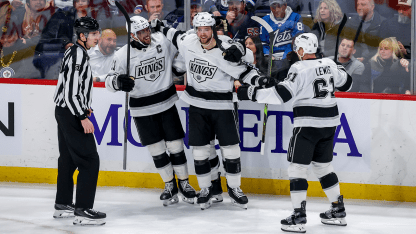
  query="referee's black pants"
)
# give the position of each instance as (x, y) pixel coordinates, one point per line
(77, 150)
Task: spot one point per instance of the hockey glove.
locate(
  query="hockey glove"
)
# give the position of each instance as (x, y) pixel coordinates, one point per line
(125, 83)
(247, 92)
(218, 20)
(265, 81)
(157, 25)
(235, 52)
(250, 7)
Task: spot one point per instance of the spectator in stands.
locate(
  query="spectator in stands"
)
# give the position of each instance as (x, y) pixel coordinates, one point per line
(36, 16)
(108, 15)
(388, 73)
(368, 39)
(55, 39)
(154, 9)
(255, 45)
(354, 67)
(176, 20)
(327, 19)
(239, 21)
(83, 9)
(288, 23)
(400, 27)
(14, 61)
(101, 56)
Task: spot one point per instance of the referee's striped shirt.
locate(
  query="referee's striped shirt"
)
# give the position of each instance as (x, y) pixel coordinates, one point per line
(74, 88)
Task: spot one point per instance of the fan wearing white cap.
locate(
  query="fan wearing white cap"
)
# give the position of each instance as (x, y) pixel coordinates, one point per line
(152, 105)
(310, 84)
(399, 27)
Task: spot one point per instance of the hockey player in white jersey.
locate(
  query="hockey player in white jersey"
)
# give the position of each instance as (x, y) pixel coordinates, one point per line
(209, 94)
(152, 105)
(310, 83)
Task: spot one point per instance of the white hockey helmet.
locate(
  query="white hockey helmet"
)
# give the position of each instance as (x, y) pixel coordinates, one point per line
(203, 19)
(138, 23)
(308, 41)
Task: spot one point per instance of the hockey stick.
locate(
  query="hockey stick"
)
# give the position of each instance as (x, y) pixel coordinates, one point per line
(357, 34)
(269, 29)
(126, 107)
(310, 10)
(341, 27)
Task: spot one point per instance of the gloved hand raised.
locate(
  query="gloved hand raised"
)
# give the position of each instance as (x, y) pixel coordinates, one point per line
(247, 92)
(235, 52)
(157, 25)
(125, 83)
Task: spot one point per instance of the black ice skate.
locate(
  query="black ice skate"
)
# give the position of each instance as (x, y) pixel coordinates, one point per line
(64, 211)
(204, 198)
(89, 217)
(296, 222)
(335, 215)
(217, 189)
(237, 197)
(169, 195)
(188, 193)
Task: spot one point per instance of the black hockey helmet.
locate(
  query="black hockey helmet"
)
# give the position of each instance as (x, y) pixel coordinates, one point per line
(85, 25)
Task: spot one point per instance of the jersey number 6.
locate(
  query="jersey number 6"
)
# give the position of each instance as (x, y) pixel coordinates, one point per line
(320, 86)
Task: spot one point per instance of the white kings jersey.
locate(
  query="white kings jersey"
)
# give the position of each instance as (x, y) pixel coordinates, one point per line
(311, 83)
(210, 78)
(154, 91)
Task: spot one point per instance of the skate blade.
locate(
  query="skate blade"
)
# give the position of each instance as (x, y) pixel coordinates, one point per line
(171, 200)
(242, 206)
(206, 205)
(298, 228)
(83, 221)
(188, 200)
(217, 198)
(59, 214)
(335, 221)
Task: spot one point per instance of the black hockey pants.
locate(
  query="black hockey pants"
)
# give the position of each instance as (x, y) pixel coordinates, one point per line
(77, 150)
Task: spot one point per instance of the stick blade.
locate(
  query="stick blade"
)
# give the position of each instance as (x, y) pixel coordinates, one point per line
(263, 23)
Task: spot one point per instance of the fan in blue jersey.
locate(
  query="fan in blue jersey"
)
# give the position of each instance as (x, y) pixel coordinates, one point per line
(286, 24)
(239, 22)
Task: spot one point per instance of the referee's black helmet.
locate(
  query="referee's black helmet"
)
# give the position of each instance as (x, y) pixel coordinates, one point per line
(85, 25)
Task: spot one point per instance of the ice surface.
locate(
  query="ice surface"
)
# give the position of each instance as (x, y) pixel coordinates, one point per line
(28, 208)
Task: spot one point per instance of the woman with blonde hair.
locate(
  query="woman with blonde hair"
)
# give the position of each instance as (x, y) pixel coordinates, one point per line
(327, 19)
(389, 73)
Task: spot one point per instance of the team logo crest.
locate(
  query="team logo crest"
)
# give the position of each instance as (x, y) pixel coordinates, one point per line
(7, 72)
(150, 69)
(201, 70)
(282, 38)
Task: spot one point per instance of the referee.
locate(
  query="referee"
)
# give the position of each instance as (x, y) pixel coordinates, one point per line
(73, 97)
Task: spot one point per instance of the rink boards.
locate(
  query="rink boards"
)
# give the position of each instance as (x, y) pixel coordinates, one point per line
(374, 145)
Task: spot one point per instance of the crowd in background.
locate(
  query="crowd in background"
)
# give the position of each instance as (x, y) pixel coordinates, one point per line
(36, 33)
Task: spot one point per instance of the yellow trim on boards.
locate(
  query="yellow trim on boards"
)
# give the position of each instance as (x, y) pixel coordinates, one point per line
(249, 185)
